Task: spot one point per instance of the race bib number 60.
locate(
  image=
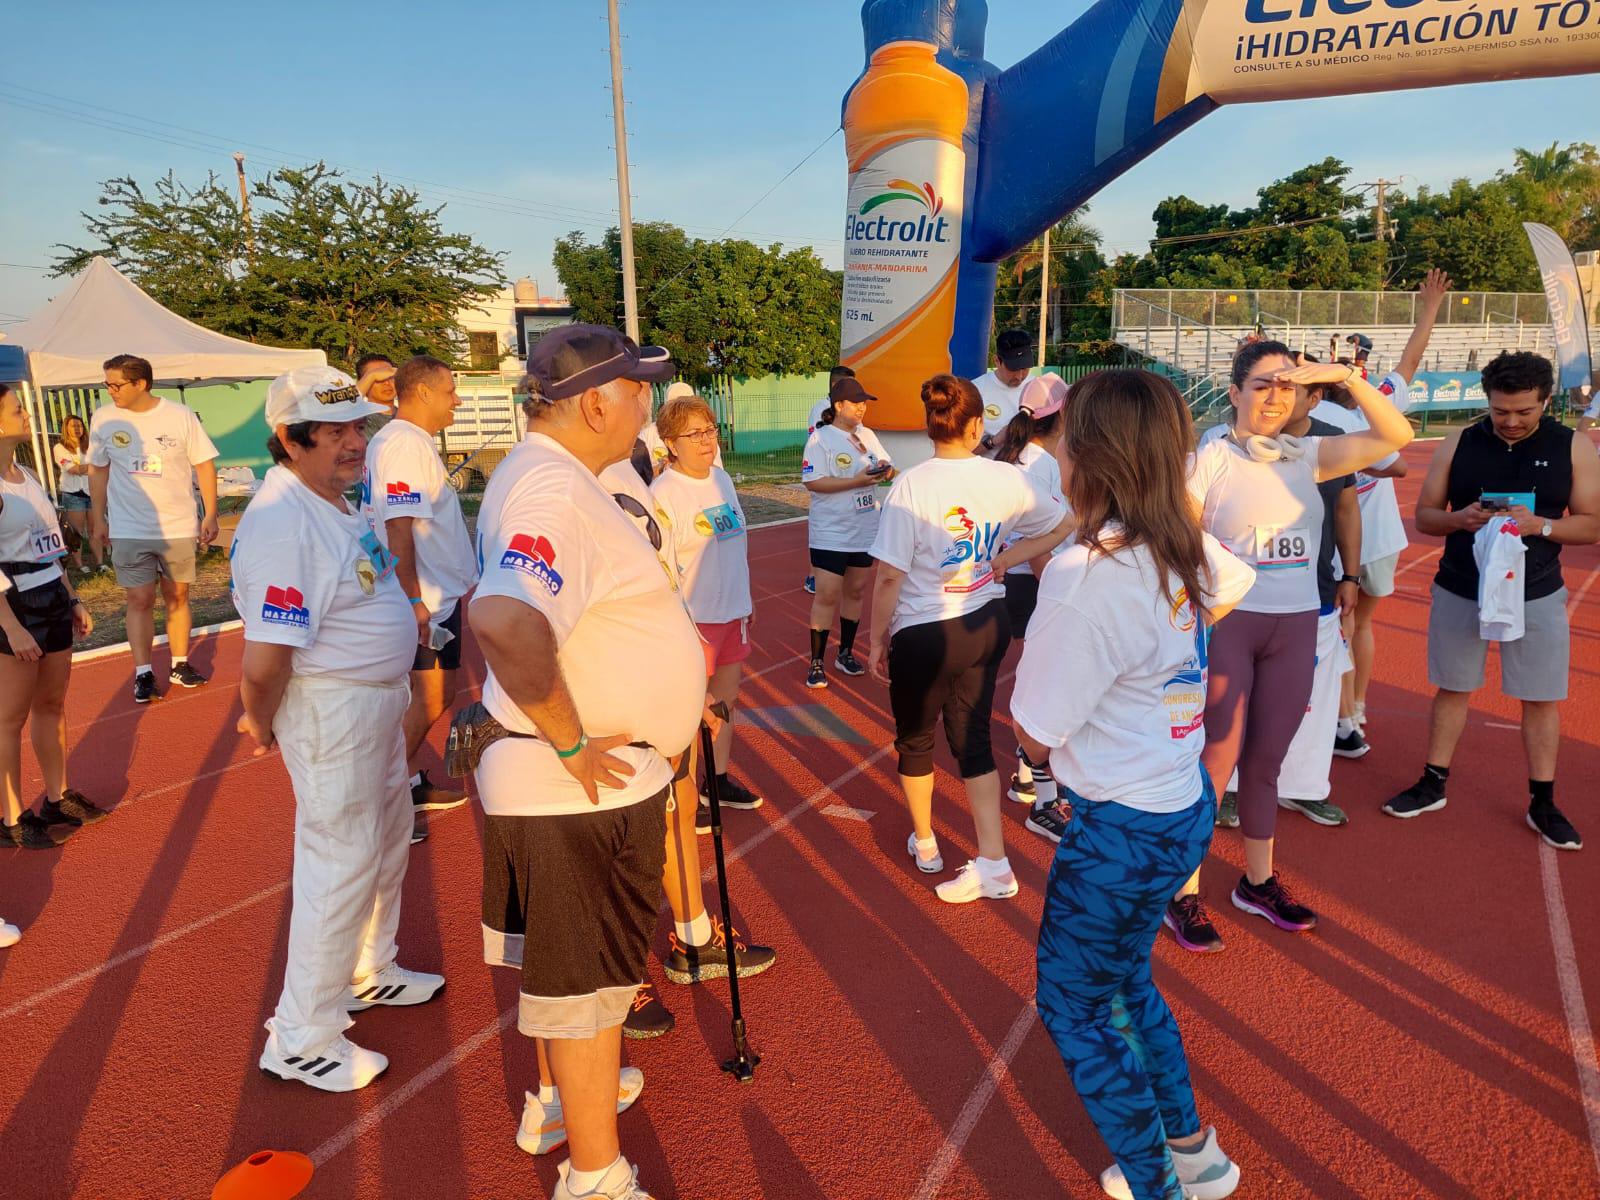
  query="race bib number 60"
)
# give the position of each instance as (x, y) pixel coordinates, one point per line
(1282, 549)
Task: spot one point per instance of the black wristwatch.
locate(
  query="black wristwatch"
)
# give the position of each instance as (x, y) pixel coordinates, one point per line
(1350, 579)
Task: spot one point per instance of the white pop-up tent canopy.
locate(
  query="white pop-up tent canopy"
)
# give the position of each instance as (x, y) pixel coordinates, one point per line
(103, 312)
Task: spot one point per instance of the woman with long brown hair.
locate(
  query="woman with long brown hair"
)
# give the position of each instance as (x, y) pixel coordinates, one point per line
(1112, 687)
(939, 621)
(71, 456)
(40, 616)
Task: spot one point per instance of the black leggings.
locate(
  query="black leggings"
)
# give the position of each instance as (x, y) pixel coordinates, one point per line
(947, 666)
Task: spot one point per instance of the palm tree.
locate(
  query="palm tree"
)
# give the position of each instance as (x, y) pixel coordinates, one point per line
(1071, 238)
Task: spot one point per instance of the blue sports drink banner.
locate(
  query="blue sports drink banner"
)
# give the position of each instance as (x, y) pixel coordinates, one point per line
(1447, 389)
(1567, 319)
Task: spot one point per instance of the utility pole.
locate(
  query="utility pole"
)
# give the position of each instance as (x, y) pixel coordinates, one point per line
(244, 206)
(630, 297)
(1380, 206)
(1044, 295)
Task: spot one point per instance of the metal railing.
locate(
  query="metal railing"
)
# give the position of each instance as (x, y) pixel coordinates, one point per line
(1354, 310)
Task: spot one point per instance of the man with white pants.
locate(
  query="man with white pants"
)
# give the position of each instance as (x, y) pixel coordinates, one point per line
(329, 638)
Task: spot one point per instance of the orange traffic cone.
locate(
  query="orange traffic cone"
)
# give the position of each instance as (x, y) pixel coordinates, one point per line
(266, 1175)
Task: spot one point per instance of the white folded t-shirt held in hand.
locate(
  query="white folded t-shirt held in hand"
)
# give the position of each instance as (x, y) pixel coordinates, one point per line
(1499, 551)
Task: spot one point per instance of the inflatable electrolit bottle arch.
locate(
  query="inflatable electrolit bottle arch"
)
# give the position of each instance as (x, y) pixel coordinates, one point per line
(955, 164)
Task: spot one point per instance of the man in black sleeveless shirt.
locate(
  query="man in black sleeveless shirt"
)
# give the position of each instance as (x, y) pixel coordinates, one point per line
(1516, 451)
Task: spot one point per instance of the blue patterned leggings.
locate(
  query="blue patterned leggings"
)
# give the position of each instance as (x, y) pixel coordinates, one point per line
(1114, 872)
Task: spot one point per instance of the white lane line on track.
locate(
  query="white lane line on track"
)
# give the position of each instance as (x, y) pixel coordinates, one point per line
(128, 956)
(972, 1111)
(347, 1136)
(1583, 1049)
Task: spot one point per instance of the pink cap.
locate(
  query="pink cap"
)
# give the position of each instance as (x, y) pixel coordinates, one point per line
(1044, 394)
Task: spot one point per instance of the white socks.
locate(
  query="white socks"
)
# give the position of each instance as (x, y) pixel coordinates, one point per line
(547, 1093)
(1347, 726)
(696, 932)
(994, 870)
(579, 1182)
(416, 780)
(926, 848)
(147, 669)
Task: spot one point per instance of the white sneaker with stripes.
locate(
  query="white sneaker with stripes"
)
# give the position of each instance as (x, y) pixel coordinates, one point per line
(341, 1065)
(394, 985)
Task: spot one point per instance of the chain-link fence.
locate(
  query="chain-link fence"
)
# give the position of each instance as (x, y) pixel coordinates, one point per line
(1135, 308)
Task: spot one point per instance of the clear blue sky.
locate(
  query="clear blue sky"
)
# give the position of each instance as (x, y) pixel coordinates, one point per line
(512, 99)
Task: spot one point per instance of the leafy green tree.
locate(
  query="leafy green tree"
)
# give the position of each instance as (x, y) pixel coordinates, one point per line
(1078, 325)
(341, 266)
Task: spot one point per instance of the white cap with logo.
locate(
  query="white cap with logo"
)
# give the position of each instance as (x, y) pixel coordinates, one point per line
(316, 394)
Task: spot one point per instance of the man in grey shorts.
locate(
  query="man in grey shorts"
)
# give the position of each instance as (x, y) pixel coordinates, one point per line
(1520, 463)
(145, 455)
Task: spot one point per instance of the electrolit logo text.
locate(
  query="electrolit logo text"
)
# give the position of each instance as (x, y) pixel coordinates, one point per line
(929, 227)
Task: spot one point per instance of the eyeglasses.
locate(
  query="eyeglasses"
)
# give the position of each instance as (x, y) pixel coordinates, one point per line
(113, 387)
(704, 436)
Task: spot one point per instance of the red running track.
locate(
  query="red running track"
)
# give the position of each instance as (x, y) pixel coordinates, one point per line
(1418, 1044)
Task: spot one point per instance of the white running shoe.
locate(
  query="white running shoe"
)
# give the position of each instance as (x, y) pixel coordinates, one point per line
(621, 1182)
(969, 885)
(341, 1066)
(1207, 1174)
(544, 1126)
(393, 985)
(930, 866)
(10, 935)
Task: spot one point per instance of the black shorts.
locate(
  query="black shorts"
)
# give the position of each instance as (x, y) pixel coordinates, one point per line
(835, 562)
(448, 659)
(1022, 597)
(46, 613)
(572, 901)
(947, 667)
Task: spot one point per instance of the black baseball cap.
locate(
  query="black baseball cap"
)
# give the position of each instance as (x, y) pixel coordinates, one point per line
(571, 359)
(1016, 349)
(848, 388)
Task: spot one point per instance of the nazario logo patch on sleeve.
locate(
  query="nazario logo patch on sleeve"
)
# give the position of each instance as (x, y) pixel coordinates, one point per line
(535, 557)
(286, 606)
(402, 494)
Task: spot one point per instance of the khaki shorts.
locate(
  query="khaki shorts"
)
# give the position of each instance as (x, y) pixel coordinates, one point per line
(1534, 667)
(1377, 576)
(141, 561)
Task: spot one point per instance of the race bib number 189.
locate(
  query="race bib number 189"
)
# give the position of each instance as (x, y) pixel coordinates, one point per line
(1282, 549)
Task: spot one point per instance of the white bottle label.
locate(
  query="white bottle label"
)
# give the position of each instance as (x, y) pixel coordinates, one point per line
(902, 237)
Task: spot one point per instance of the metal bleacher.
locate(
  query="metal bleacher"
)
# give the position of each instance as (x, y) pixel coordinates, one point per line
(1192, 333)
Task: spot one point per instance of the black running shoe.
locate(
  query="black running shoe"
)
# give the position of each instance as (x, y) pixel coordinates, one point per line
(1547, 821)
(78, 807)
(1350, 745)
(734, 794)
(1273, 901)
(1020, 791)
(693, 964)
(1049, 821)
(429, 797)
(51, 813)
(1424, 796)
(815, 678)
(848, 663)
(648, 1018)
(183, 675)
(1191, 925)
(32, 833)
(144, 688)
(419, 828)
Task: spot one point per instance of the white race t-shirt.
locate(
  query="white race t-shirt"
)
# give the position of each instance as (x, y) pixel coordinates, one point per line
(1270, 515)
(1113, 676)
(1041, 467)
(842, 520)
(708, 533)
(29, 533)
(65, 458)
(151, 455)
(551, 536)
(1000, 402)
(300, 577)
(943, 521)
(814, 418)
(405, 478)
(1383, 533)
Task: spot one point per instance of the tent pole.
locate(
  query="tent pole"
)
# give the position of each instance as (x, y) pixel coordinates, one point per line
(44, 466)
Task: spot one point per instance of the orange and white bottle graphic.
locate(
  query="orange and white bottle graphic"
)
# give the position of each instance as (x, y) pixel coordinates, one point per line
(902, 244)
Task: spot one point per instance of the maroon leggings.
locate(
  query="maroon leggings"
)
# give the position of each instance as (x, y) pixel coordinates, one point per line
(1261, 666)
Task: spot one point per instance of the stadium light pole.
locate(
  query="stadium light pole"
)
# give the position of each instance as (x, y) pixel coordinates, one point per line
(630, 296)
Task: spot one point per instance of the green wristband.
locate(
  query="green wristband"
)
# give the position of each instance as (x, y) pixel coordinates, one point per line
(583, 740)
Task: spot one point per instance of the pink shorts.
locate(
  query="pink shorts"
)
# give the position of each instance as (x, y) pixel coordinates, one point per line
(725, 644)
